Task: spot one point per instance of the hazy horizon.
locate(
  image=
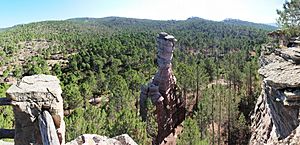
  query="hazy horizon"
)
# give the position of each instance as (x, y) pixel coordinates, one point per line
(15, 12)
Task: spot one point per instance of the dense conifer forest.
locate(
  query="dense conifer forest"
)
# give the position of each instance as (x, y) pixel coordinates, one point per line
(111, 58)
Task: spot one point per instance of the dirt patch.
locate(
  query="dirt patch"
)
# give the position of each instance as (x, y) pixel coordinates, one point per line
(171, 139)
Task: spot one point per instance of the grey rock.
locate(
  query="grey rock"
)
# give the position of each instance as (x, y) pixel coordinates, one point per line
(48, 129)
(94, 139)
(272, 121)
(125, 139)
(271, 58)
(32, 95)
(281, 74)
(291, 54)
(275, 119)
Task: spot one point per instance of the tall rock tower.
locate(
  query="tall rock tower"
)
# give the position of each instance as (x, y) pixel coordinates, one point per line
(170, 108)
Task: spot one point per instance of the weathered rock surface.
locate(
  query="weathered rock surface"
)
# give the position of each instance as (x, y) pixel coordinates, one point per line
(93, 139)
(276, 115)
(47, 129)
(280, 69)
(31, 96)
(163, 91)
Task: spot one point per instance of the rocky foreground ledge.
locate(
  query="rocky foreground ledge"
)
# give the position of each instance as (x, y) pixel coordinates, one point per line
(276, 116)
(38, 111)
(94, 139)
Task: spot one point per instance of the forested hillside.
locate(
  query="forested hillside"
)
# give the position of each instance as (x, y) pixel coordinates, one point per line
(111, 58)
(250, 24)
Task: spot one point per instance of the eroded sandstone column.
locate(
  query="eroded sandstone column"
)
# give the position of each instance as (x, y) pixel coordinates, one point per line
(31, 96)
(170, 108)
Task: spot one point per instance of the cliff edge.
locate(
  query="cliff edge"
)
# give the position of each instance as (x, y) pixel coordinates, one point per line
(275, 119)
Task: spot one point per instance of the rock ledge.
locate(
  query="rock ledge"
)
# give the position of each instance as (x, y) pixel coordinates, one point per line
(94, 139)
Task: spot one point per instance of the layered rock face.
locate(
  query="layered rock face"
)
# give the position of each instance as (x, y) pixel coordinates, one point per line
(93, 139)
(276, 115)
(162, 89)
(37, 102)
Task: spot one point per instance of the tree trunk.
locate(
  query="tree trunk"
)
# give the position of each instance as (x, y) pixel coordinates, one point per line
(197, 88)
(250, 82)
(229, 115)
(220, 115)
(212, 115)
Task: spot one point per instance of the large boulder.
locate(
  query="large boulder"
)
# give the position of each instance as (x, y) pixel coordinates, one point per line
(31, 96)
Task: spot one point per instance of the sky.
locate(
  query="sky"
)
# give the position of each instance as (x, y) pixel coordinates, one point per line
(13, 12)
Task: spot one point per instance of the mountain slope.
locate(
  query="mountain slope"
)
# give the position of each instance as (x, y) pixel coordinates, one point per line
(206, 33)
(273, 24)
(250, 24)
(161, 24)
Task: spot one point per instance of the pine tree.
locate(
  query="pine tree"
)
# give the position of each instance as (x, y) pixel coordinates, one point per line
(190, 134)
(289, 17)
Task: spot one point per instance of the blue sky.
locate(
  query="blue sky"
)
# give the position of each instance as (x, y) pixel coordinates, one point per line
(14, 12)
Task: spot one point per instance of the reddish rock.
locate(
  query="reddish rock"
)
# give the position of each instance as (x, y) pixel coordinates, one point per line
(170, 108)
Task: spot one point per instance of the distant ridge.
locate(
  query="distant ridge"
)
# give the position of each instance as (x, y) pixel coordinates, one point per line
(135, 21)
(111, 24)
(272, 24)
(250, 24)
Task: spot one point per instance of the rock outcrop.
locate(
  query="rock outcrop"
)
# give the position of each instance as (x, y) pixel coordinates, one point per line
(31, 97)
(93, 139)
(163, 91)
(276, 115)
